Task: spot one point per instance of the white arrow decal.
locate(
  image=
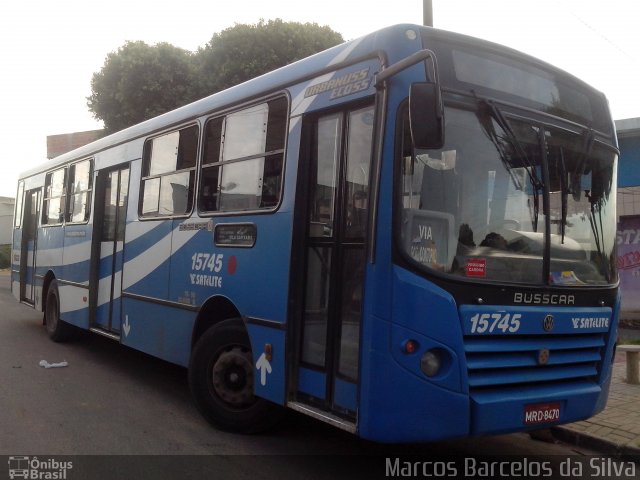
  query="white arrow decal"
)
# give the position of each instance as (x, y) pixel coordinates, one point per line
(126, 326)
(265, 367)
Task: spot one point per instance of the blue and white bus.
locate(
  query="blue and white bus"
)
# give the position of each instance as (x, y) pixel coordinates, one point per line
(409, 236)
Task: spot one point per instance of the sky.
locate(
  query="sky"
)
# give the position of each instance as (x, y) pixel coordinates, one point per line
(49, 49)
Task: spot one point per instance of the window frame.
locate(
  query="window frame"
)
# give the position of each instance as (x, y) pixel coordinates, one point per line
(88, 192)
(146, 168)
(266, 155)
(62, 198)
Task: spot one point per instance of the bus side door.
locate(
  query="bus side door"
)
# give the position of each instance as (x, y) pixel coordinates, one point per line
(106, 273)
(31, 213)
(339, 147)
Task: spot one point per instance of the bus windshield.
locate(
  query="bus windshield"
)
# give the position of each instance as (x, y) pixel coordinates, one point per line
(510, 200)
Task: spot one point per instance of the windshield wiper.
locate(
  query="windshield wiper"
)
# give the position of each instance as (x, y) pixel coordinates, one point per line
(488, 110)
(595, 199)
(587, 146)
(564, 193)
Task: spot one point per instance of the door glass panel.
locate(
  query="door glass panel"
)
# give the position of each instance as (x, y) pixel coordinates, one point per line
(122, 204)
(326, 150)
(316, 315)
(110, 203)
(351, 309)
(358, 166)
(27, 255)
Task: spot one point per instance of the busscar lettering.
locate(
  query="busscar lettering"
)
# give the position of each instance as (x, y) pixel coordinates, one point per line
(544, 298)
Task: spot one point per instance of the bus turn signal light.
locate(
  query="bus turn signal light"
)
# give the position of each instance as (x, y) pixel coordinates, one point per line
(410, 346)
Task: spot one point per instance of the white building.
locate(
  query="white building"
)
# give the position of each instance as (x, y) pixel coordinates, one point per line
(6, 219)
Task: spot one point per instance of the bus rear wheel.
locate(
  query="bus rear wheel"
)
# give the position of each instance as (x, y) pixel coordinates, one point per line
(221, 376)
(58, 330)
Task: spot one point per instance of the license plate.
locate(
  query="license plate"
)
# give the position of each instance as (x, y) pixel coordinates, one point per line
(542, 413)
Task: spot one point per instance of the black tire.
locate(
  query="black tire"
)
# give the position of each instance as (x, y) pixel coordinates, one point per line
(221, 376)
(58, 330)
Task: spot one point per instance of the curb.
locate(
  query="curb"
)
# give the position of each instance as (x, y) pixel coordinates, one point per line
(595, 443)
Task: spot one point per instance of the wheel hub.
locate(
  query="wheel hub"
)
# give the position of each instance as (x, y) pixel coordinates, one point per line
(232, 377)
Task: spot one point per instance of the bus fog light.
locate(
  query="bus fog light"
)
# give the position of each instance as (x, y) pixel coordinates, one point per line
(430, 363)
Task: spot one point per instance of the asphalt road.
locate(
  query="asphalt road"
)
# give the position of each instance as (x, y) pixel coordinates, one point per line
(112, 400)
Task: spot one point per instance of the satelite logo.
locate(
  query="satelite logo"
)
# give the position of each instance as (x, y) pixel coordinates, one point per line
(33, 468)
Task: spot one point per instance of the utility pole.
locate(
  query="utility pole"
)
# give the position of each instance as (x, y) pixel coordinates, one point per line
(427, 13)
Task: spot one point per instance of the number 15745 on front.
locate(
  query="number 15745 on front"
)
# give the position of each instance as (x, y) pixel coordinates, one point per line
(498, 322)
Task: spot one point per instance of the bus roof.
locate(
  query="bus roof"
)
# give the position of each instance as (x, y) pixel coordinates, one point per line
(375, 44)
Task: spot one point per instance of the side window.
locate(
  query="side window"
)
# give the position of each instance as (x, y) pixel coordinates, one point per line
(168, 173)
(54, 197)
(243, 159)
(80, 185)
(17, 219)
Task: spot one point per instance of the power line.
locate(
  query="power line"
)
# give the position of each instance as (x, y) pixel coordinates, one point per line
(601, 35)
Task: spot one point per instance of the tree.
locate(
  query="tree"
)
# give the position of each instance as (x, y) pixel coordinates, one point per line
(242, 52)
(139, 82)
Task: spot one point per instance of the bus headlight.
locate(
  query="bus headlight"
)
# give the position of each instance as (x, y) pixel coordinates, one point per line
(431, 363)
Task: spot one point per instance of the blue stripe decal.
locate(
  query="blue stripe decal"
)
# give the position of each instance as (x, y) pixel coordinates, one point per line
(143, 243)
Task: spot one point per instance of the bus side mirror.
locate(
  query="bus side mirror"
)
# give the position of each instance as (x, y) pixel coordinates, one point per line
(426, 116)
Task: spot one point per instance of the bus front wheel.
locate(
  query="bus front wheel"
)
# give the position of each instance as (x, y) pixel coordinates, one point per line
(221, 376)
(58, 330)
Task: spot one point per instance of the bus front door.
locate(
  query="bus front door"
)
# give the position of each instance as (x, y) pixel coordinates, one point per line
(111, 212)
(339, 147)
(31, 213)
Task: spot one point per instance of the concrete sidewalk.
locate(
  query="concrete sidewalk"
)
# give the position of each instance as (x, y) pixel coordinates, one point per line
(615, 430)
